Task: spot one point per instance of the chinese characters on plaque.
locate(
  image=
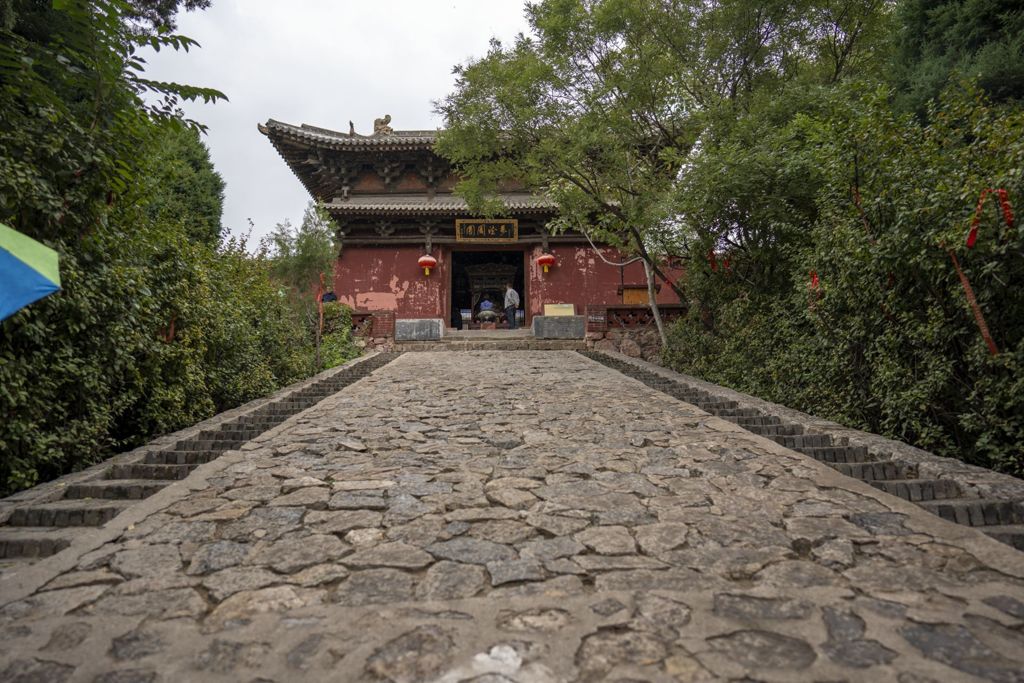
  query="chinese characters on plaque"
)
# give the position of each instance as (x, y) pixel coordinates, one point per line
(481, 230)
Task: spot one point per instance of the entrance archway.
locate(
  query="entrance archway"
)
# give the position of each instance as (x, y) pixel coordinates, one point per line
(480, 275)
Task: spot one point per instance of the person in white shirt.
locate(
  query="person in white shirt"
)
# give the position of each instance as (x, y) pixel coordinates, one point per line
(511, 306)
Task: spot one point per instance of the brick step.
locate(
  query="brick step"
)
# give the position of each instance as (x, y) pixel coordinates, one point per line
(233, 434)
(738, 412)
(496, 345)
(699, 400)
(283, 411)
(115, 489)
(877, 471)
(1010, 534)
(35, 541)
(798, 441)
(175, 457)
(161, 471)
(204, 445)
(65, 513)
(977, 511)
(316, 391)
(775, 430)
(917, 490)
(832, 454)
(718, 405)
(743, 421)
(257, 422)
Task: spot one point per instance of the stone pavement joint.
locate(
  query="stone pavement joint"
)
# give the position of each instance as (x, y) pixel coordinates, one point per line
(523, 516)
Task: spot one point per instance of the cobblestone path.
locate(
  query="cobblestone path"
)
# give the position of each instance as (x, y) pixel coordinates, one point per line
(527, 516)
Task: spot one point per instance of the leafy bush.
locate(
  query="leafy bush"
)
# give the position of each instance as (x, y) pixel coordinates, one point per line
(887, 341)
(158, 324)
(337, 346)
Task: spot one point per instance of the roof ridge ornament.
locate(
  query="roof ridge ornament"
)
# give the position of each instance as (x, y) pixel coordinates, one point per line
(381, 127)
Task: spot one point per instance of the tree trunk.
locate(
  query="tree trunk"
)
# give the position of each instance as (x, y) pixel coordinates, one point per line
(652, 296)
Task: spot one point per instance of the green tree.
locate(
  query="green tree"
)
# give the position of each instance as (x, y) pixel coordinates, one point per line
(301, 254)
(942, 41)
(302, 259)
(885, 340)
(608, 104)
(186, 188)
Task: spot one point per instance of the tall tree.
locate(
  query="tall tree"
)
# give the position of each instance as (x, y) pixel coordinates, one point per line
(302, 258)
(944, 40)
(186, 188)
(609, 102)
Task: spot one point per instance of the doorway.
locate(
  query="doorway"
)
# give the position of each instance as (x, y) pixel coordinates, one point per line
(479, 276)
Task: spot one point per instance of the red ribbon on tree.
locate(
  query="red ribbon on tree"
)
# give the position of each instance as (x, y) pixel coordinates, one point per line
(814, 279)
(713, 260)
(1004, 204)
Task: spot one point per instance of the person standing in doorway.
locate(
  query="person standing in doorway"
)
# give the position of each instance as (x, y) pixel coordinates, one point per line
(511, 306)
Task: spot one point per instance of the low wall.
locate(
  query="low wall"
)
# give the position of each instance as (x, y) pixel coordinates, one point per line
(629, 330)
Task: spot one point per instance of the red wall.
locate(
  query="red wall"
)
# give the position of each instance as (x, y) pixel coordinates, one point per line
(388, 278)
(579, 277)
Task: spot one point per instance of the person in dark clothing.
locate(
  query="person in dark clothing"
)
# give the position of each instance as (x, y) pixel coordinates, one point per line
(456, 318)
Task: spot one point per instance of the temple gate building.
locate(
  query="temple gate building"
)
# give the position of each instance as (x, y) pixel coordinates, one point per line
(391, 196)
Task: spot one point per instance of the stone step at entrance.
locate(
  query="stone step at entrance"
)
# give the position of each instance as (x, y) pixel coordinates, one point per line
(975, 512)
(1003, 520)
(83, 512)
(151, 471)
(38, 530)
(917, 490)
(838, 454)
(528, 344)
(176, 457)
(35, 541)
(116, 489)
(1010, 534)
(218, 445)
(886, 470)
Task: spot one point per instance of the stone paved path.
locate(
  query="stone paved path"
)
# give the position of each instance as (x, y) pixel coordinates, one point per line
(528, 516)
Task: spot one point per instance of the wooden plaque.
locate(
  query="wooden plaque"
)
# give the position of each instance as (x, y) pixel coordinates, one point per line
(486, 230)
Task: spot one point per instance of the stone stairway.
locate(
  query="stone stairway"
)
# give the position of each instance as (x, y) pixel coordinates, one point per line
(41, 529)
(1000, 519)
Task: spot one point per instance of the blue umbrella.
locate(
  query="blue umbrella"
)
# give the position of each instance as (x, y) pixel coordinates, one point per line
(28, 271)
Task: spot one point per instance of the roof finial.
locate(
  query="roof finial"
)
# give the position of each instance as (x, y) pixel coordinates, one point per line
(351, 129)
(381, 127)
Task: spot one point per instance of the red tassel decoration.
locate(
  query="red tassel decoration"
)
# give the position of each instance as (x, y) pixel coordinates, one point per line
(1004, 203)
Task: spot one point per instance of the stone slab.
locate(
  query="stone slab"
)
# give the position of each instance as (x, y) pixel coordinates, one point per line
(419, 329)
(559, 326)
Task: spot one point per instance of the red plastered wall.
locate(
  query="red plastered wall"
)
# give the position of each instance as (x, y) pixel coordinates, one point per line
(580, 277)
(389, 279)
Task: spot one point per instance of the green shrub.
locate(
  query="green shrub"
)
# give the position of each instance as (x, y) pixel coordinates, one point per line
(888, 342)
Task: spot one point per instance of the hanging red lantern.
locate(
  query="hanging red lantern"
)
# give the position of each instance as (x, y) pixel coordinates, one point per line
(426, 262)
(546, 261)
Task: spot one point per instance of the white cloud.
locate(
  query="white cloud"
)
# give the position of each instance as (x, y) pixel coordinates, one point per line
(323, 63)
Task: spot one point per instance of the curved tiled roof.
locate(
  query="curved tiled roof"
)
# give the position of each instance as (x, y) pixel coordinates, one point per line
(399, 139)
(418, 204)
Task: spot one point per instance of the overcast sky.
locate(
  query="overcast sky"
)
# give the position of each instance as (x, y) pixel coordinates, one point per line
(320, 62)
